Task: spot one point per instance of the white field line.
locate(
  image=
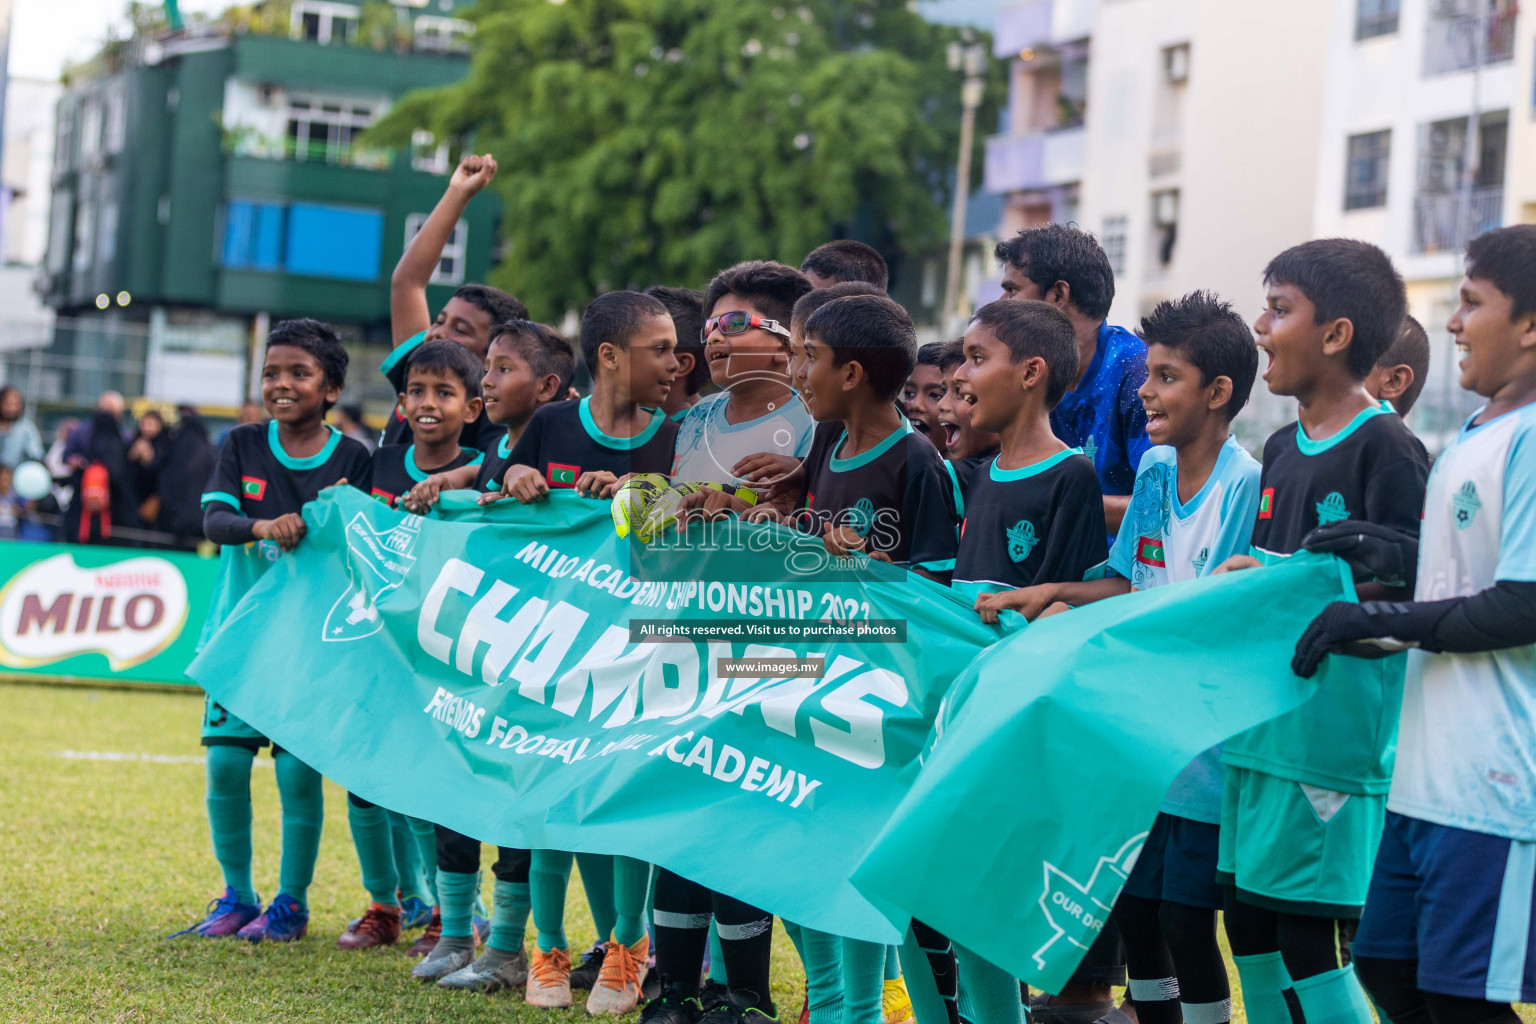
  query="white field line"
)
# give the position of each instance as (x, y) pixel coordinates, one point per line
(111, 755)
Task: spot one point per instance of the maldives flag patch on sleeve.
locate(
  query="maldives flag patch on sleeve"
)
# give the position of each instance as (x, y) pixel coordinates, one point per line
(1267, 503)
(561, 475)
(253, 488)
(1149, 551)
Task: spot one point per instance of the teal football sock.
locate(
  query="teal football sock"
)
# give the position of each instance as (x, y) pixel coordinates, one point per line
(408, 867)
(927, 1003)
(1264, 981)
(375, 850)
(631, 879)
(456, 890)
(717, 972)
(303, 795)
(425, 835)
(863, 981)
(597, 874)
(229, 816)
(511, 906)
(1333, 997)
(822, 955)
(987, 993)
(548, 877)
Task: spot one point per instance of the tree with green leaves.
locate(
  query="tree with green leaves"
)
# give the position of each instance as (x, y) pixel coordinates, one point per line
(656, 141)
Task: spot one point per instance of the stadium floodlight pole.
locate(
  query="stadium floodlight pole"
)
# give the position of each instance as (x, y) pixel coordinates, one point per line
(972, 59)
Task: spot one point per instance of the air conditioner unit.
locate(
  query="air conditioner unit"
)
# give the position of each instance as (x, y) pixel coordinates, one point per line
(1176, 64)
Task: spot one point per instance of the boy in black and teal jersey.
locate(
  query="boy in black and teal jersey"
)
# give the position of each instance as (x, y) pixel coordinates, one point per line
(1034, 513)
(1304, 800)
(441, 396)
(686, 306)
(265, 474)
(467, 318)
(527, 366)
(965, 448)
(589, 445)
(1446, 934)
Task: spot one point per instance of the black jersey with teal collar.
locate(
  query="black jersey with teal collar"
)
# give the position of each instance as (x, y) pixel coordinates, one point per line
(563, 441)
(479, 435)
(395, 470)
(1373, 470)
(1041, 523)
(897, 494)
(259, 480)
(497, 459)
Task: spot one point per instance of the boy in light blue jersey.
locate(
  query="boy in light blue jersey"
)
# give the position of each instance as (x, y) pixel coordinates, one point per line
(1446, 936)
(1192, 507)
(756, 420)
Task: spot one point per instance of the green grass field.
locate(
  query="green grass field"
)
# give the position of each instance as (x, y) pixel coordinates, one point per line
(101, 859)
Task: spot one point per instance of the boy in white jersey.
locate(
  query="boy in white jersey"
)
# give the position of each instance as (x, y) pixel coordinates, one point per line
(1192, 507)
(1446, 935)
(755, 414)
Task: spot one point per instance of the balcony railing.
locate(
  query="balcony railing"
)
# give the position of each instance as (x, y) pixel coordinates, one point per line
(1451, 38)
(1034, 160)
(241, 141)
(1439, 224)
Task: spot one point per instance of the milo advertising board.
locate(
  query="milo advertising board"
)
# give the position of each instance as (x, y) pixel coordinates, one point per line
(79, 612)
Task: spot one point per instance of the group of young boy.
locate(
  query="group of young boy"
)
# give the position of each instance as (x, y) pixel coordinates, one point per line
(1044, 461)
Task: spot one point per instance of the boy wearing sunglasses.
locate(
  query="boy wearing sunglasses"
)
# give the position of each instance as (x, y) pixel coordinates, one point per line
(756, 417)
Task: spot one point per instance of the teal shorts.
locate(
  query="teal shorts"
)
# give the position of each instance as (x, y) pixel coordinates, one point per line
(222, 729)
(1297, 849)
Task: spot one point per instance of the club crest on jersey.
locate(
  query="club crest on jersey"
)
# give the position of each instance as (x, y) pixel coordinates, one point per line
(862, 516)
(1090, 448)
(1467, 503)
(561, 475)
(253, 488)
(1200, 560)
(1021, 540)
(1331, 509)
(377, 562)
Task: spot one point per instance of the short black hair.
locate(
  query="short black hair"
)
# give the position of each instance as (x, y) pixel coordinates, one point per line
(687, 308)
(443, 356)
(876, 331)
(319, 340)
(1210, 334)
(1351, 279)
(612, 318)
(498, 304)
(813, 300)
(1506, 259)
(544, 349)
(951, 355)
(848, 260)
(929, 354)
(1411, 349)
(1031, 328)
(1064, 252)
(772, 287)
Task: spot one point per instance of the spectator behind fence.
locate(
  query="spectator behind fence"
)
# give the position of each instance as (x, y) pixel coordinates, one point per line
(349, 420)
(189, 461)
(146, 460)
(104, 495)
(19, 439)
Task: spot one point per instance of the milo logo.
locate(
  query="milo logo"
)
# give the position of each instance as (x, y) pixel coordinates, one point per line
(127, 611)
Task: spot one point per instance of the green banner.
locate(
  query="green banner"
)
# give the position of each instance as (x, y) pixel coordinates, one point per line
(487, 669)
(114, 614)
(477, 669)
(1055, 747)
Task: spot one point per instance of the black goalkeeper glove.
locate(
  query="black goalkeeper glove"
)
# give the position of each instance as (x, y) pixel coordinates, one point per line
(1341, 626)
(1375, 553)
